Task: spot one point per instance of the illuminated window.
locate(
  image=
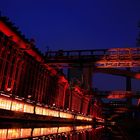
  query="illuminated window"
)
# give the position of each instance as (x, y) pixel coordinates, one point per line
(39, 110)
(64, 129)
(49, 130)
(17, 106)
(83, 118)
(36, 132)
(3, 133)
(13, 133)
(28, 108)
(5, 104)
(25, 132)
(66, 115)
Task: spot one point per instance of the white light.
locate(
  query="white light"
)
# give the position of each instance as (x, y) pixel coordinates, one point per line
(8, 89)
(5, 95)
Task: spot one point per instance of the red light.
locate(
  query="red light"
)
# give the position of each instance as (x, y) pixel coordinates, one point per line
(137, 76)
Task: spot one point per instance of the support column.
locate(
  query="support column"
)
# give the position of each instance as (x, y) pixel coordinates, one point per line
(128, 82)
(87, 77)
(34, 81)
(16, 72)
(41, 86)
(9, 69)
(128, 88)
(2, 78)
(2, 64)
(37, 84)
(70, 98)
(18, 77)
(44, 87)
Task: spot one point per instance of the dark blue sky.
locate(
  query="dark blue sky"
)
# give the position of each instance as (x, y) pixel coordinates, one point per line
(76, 24)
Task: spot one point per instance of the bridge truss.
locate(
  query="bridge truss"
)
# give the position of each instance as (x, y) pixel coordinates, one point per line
(100, 58)
(105, 61)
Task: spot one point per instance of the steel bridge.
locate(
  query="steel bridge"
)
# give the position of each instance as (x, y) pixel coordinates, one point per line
(115, 61)
(101, 58)
(109, 61)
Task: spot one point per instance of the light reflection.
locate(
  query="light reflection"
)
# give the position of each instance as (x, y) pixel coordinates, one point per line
(47, 131)
(79, 117)
(17, 133)
(83, 127)
(64, 129)
(26, 132)
(36, 131)
(3, 133)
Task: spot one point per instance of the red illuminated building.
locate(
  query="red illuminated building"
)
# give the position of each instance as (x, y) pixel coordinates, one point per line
(32, 83)
(25, 74)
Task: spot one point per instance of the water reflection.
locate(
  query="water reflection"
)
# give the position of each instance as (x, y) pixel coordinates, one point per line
(54, 132)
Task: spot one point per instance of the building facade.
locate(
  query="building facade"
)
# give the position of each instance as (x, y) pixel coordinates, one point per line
(24, 73)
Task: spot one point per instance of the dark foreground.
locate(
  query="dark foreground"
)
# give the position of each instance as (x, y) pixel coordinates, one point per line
(42, 131)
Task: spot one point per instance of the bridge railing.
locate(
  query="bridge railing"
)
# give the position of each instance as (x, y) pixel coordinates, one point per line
(78, 53)
(102, 58)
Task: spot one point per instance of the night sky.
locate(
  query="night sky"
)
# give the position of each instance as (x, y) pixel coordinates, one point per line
(78, 24)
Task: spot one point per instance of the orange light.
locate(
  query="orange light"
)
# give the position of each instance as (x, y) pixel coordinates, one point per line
(28, 108)
(49, 112)
(13, 133)
(5, 103)
(65, 129)
(78, 117)
(17, 106)
(3, 133)
(19, 133)
(66, 115)
(14, 105)
(83, 127)
(45, 131)
(39, 110)
(36, 131)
